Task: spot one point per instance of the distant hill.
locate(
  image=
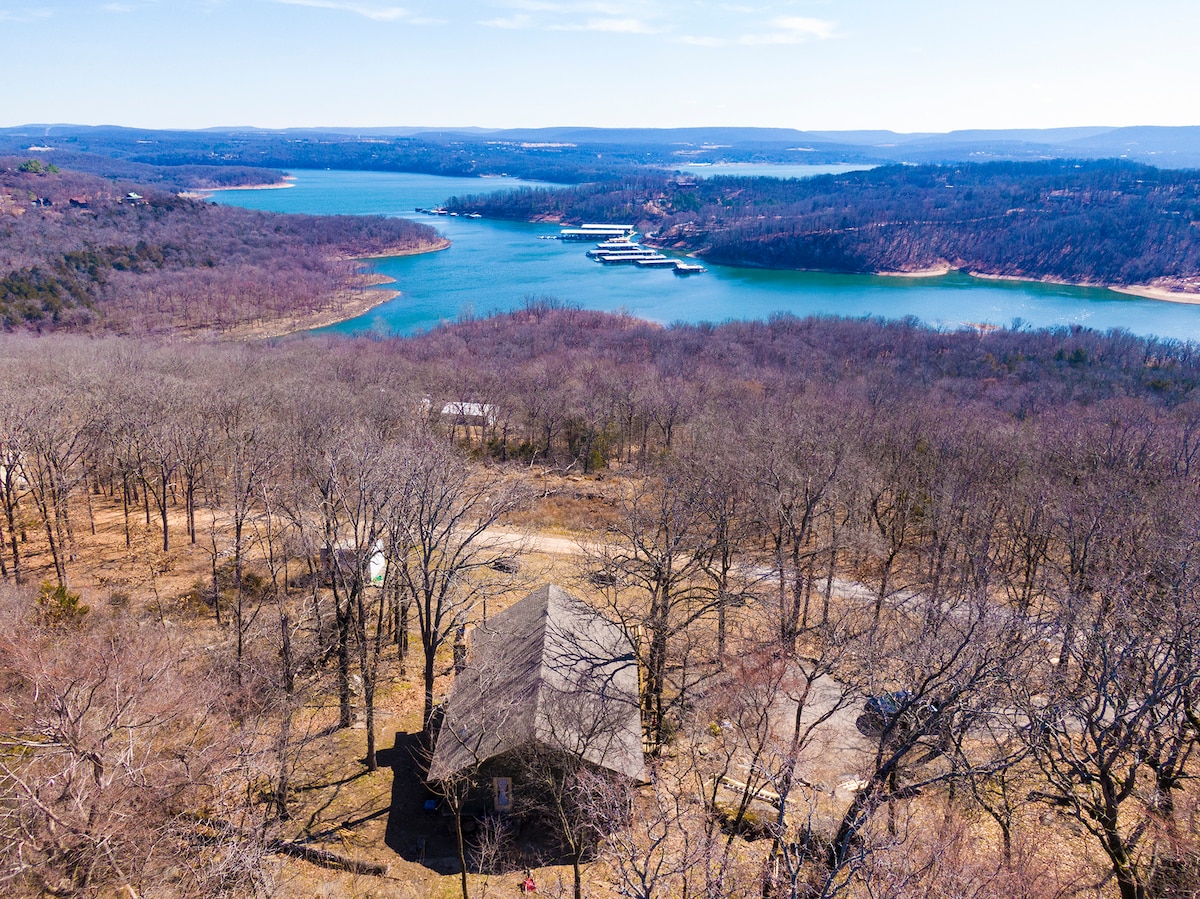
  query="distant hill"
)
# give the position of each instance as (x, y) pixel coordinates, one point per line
(578, 154)
(1107, 223)
(1166, 147)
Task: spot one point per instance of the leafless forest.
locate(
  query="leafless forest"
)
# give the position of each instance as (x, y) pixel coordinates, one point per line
(997, 530)
(1106, 222)
(81, 252)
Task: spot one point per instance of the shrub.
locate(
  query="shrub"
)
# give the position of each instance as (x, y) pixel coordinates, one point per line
(59, 607)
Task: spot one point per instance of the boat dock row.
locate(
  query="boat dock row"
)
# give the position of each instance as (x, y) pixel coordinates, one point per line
(595, 232)
(438, 210)
(623, 251)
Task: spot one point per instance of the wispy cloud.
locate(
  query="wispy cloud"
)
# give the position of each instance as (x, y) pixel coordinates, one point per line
(611, 26)
(783, 30)
(25, 15)
(512, 23)
(794, 30)
(702, 24)
(375, 13)
(534, 6)
(607, 16)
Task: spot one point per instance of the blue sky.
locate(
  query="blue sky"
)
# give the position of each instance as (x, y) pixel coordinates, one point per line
(905, 65)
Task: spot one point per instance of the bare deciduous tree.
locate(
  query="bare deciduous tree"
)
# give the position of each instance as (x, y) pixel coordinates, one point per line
(1114, 734)
(445, 563)
(104, 740)
(652, 561)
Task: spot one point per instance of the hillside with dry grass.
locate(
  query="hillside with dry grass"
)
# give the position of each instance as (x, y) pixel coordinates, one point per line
(912, 611)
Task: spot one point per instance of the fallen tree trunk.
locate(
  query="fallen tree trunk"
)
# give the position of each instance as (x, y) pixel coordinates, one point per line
(323, 857)
(327, 859)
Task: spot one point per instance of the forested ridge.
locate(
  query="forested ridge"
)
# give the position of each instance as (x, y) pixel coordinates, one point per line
(1102, 223)
(82, 252)
(794, 515)
(589, 154)
(574, 155)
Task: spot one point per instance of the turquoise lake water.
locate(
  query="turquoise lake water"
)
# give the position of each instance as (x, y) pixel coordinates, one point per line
(763, 170)
(494, 266)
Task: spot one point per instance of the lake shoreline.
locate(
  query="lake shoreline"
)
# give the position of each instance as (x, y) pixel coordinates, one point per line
(499, 263)
(350, 304)
(1162, 294)
(934, 272)
(205, 193)
(1141, 291)
(353, 302)
(436, 247)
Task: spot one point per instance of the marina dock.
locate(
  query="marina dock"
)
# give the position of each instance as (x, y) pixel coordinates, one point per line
(616, 246)
(595, 232)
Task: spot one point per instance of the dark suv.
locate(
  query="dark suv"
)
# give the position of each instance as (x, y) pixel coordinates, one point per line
(898, 710)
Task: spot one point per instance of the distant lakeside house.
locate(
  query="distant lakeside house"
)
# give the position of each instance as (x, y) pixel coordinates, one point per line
(469, 413)
(547, 675)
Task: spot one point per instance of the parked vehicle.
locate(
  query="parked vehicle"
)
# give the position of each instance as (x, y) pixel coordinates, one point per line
(898, 710)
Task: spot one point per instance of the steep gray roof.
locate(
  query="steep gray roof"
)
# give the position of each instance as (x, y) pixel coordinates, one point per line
(549, 672)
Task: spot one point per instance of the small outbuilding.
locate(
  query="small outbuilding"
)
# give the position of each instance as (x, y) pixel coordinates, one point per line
(372, 563)
(549, 673)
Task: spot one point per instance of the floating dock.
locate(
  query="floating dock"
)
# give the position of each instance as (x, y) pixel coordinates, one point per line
(628, 253)
(617, 247)
(595, 232)
(614, 246)
(628, 258)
